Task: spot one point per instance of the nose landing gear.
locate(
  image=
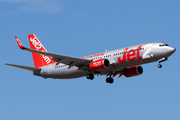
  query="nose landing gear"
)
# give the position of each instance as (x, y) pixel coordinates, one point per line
(161, 60)
(159, 65)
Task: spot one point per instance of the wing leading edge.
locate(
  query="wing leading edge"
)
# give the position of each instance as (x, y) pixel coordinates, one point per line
(71, 61)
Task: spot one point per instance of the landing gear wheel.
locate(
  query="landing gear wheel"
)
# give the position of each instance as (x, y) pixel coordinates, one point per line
(159, 66)
(109, 80)
(90, 76)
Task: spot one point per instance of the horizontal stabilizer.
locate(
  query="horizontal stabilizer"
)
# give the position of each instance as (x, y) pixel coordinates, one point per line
(24, 67)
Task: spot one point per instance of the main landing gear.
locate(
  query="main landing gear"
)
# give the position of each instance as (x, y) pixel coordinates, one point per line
(161, 60)
(109, 80)
(90, 76)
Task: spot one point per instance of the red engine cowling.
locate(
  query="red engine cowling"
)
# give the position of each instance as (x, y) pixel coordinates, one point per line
(133, 71)
(100, 64)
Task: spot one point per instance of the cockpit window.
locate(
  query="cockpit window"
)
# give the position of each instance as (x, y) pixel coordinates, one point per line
(163, 45)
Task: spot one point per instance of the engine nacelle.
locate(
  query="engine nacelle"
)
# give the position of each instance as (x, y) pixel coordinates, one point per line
(99, 64)
(133, 71)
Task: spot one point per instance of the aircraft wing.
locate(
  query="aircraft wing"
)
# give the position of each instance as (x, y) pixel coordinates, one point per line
(71, 61)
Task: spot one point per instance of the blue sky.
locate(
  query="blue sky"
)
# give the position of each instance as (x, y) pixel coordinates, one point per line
(78, 28)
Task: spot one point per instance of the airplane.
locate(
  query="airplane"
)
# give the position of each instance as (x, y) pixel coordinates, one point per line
(124, 61)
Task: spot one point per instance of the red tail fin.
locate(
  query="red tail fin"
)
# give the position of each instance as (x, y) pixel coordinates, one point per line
(39, 60)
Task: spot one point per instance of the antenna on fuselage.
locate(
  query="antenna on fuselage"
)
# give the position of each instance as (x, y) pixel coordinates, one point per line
(106, 50)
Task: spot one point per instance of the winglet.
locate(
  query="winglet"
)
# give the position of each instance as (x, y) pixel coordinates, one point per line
(19, 43)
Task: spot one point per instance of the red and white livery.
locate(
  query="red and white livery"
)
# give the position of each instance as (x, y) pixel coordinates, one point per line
(123, 61)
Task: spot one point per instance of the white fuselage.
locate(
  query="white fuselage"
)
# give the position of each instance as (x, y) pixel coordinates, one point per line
(119, 59)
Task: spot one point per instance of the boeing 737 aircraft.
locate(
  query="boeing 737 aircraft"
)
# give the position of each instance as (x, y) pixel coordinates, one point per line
(123, 61)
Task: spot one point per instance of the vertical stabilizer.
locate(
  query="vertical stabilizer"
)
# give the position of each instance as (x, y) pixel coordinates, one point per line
(39, 60)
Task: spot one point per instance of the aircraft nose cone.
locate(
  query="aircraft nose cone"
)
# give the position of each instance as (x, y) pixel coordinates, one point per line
(172, 50)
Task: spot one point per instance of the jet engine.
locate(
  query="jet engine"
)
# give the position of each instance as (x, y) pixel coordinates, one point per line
(133, 71)
(99, 64)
